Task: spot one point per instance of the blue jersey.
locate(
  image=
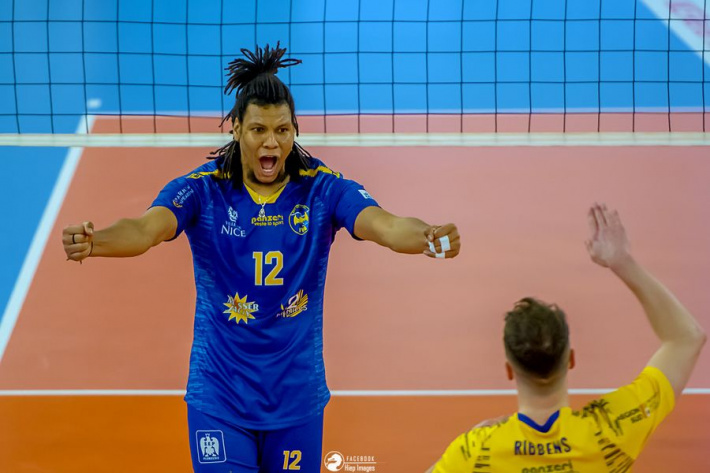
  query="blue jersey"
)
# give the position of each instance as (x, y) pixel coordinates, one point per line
(260, 267)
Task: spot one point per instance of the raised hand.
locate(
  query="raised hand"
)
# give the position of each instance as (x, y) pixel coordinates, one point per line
(608, 244)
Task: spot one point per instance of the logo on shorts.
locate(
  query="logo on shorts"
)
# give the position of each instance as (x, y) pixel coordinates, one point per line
(333, 461)
(299, 219)
(210, 446)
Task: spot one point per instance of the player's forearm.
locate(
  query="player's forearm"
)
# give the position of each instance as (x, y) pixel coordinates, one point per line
(126, 237)
(670, 320)
(406, 235)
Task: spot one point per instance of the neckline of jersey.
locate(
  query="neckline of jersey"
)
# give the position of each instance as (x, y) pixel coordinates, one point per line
(540, 428)
(259, 199)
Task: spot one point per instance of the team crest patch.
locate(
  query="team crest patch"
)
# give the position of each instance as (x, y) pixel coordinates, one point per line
(210, 446)
(299, 219)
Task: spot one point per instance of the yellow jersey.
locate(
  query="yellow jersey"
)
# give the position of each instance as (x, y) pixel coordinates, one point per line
(607, 435)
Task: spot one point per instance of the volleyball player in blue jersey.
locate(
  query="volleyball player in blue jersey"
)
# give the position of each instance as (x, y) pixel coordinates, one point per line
(260, 220)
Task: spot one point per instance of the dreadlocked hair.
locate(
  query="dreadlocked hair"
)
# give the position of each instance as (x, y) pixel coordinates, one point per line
(254, 79)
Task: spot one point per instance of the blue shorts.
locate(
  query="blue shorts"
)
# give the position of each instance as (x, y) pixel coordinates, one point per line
(221, 447)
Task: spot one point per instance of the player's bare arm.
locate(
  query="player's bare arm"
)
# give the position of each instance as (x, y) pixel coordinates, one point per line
(681, 336)
(406, 234)
(126, 237)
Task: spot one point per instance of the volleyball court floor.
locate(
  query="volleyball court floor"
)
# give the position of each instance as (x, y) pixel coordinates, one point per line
(398, 329)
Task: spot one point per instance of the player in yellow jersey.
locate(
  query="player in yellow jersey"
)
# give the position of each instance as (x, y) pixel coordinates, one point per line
(609, 433)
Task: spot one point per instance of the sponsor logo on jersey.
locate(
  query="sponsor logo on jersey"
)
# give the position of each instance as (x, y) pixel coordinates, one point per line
(230, 227)
(296, 305)
(182, 196)
(635, 415)
(365, 194)
(299, 219)
(567, 467)
(210, 446)
(240, 309)
(268, 221)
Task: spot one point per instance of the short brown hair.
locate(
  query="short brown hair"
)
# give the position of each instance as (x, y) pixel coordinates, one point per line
(536, 337)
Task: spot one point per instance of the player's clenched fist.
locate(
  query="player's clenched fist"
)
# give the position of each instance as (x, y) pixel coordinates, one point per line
(444, 241)
(78, 241)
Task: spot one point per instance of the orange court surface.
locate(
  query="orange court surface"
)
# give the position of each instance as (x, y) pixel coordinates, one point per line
(403, 334)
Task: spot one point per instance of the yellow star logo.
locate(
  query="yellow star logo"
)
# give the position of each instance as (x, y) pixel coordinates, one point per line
(240, 309)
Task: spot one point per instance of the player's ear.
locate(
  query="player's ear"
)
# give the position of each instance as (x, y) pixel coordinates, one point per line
(509, 371)
(236, 128)
(571, 359)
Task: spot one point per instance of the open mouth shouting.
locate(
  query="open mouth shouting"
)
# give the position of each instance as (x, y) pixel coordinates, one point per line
(267, 166)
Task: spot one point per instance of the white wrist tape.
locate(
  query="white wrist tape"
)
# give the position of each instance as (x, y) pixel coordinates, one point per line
(445, 244)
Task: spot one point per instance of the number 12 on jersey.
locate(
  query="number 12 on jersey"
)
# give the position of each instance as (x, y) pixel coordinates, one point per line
(272, 258)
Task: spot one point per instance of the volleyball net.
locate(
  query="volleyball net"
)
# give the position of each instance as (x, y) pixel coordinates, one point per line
(369, 66)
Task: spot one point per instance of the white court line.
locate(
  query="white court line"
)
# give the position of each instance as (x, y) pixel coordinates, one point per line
(214, 140)
(39, 241)
(336, 393)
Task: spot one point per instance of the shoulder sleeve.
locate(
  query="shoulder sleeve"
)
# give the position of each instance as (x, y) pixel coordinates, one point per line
(180, 197)
(637, 409)
(459, 456)
(347, 200)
